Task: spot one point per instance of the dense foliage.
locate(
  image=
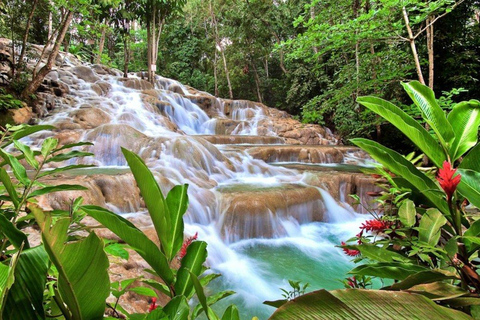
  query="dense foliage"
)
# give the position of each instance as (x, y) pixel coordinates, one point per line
(310, 58)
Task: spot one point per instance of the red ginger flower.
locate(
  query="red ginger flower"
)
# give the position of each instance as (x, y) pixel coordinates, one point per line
(350, 252)
(447, 181)
(185, 245)
(376, 226)
(153, 305)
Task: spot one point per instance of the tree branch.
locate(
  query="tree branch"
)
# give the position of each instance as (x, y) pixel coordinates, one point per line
(434, 20)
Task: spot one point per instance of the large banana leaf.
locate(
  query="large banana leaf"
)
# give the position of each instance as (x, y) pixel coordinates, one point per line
(425, 100)
(406, 124)
(400, 166)
(82, 266)
(465, 119)
(134, 238)
(15, 236)
(25, 298)
(364, 304)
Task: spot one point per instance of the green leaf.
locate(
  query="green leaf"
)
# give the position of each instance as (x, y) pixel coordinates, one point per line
(379, 254)
(465, 119)
(25, 298)
(387, 270)
(177, 203)
(231, 313)
(430, 225)
(68, 155)
(144, 291)
(470, 161)
(438, 290)
(471, 237)
(201, 297)
(407, 125)
(364, 304)
(134, 238)
(208, 278)
(154, 200)
(157, 285)
(60, 187)
(211, 300)
(118, 250)
(7, 183)
(18, 170)
(48, 145)
(80, 265)
(469, 186)
(276, 303)
(400, 166)
(424, 98)
(407, 213)
(192, 263)
(7, 280)
(16, 237)
(177, 308)
(28, 130)
(27, 152)
(423, 277)
(72, 145)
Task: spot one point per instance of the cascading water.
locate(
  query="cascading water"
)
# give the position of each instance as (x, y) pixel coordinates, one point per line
(264, 224)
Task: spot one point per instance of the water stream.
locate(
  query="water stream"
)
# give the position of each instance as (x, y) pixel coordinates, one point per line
(264, 223)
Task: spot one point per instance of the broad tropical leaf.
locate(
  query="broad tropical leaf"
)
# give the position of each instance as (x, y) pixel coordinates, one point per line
(201, 297)
(177, 308)
(15, 236)
(27, 152)
(60, 187)
(465, 119)
(470, 161)
(19, 171)
(82, 266)
(192, 263)
(406, 124)
(364, 304)
(469, 185)
(425, 100)
(430, 225)
(25, 298)
(423, 277)
(400, 166)
(210, 301)
(387, 270)
(438, 290)
(7, 183)
(379, 254)
(154, 200)
(134, 238)
(177, 203)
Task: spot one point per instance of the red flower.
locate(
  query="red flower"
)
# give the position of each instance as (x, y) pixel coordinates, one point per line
(153, 305)
(350, 252)
(185, 245)
(447, 181)
(376, 226)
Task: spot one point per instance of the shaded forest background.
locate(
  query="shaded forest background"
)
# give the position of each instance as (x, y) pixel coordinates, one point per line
(310, 58)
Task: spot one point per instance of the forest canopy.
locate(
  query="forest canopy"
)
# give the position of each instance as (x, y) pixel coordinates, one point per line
(310, 58)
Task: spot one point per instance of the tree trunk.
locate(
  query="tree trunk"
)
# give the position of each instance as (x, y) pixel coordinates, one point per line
(126, 55)
(430, 51)
(215, 72)
(218, 46)
(411, 39)
(37, 80)
(25, 37)
(149, 51)
(101, 45)
(257, 82)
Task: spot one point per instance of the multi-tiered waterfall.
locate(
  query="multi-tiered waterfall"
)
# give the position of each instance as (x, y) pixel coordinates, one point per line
(268, 194)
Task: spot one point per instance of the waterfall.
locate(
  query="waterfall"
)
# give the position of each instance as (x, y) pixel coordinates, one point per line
(266, 216)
